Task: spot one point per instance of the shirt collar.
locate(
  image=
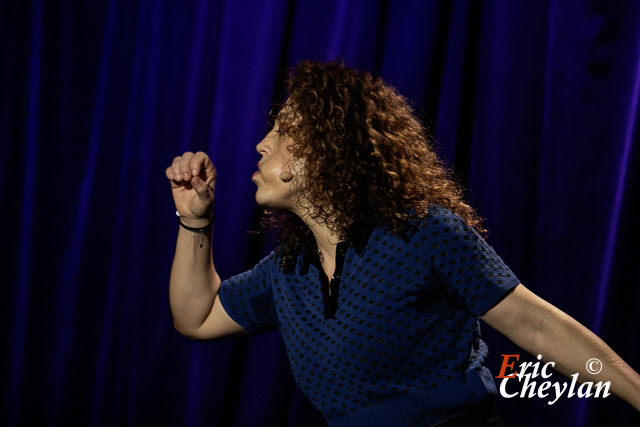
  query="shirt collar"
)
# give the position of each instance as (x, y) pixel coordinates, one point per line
(358, 237)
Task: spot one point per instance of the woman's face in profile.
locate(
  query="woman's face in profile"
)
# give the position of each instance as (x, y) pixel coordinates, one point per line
(279, 174)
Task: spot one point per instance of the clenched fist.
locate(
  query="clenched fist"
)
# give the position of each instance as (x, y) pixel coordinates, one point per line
(193, 181)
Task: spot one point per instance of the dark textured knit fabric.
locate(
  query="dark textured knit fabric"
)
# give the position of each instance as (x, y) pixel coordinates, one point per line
(402, 345)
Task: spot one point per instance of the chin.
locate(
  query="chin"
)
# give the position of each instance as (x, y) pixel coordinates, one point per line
(263, 202)
(273, 200)
(259, 199)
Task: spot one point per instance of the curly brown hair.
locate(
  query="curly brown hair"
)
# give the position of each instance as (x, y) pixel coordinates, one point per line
(368, 160)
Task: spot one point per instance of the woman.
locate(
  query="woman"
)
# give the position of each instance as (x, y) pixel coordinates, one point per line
(380, 273)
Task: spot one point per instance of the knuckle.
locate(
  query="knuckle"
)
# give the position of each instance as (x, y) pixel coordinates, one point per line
(199, 158)
(184, 165)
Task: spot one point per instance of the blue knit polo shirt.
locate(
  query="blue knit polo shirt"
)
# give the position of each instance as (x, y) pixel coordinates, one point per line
(398, 341)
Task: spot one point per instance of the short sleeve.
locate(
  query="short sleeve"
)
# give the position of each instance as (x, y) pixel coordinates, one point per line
(248, 297)
(467, 266)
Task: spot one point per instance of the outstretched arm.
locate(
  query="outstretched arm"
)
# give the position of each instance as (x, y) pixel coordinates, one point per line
(540, 328)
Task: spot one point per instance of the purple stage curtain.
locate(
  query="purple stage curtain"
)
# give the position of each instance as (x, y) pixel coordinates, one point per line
(533, 104)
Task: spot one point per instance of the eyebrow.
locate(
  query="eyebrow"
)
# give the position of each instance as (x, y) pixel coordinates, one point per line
(286, 114)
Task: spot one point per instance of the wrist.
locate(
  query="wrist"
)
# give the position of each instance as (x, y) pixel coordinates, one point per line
(199, 223)
(194, 222)
(197, 229)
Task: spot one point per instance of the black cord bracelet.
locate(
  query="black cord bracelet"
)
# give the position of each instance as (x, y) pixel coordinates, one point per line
(203, 231)
(196, 229)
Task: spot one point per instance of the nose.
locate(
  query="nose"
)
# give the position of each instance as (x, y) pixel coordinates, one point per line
(262, 145)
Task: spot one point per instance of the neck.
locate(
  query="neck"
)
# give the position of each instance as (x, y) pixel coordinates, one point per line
(326, 239)
(327, 244)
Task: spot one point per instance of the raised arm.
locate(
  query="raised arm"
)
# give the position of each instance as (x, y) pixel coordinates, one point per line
(194, 283)
(540, 328)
